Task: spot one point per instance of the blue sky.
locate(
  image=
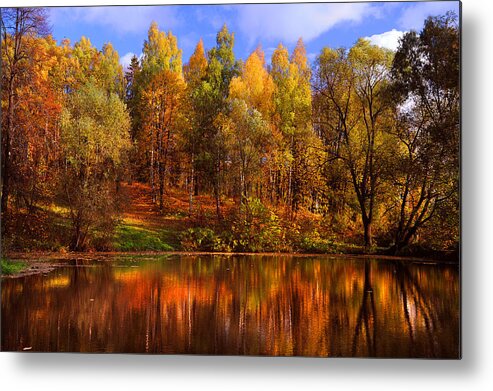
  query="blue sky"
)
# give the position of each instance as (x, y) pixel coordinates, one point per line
(329, 24)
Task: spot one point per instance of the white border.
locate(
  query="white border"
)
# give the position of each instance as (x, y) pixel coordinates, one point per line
(475, 371)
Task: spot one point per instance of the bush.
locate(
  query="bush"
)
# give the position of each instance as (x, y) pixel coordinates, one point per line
(255, 228)
(312, 242)
(203, 239)
(8, 267)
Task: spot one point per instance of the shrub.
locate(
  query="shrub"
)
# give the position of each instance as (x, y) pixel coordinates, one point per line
(312, 242)
(8, 267)
(203, 239)
(255, 228)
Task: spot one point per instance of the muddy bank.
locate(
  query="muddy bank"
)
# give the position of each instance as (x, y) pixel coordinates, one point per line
(33, 267)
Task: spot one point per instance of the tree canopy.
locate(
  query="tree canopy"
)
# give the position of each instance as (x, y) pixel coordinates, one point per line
(360, 147)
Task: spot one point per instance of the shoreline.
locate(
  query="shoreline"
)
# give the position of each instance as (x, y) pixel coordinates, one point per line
(45, 262)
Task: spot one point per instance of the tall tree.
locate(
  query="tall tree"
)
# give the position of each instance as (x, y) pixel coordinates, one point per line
(110, 72)
(426, 73)
(196, 68)
(292, 99)
(213, 95)
(255, 85)
(132, 99)
(246, 135)
(35, 147)
(132, 94)
(248, 127)
(94, 138)
(160, 52)
(371, 65)
(303, 140)
(86, 59)
(18, 25)
(194, 72)
(334, 117)
(160, 85)
(163, 100)
(353, 107)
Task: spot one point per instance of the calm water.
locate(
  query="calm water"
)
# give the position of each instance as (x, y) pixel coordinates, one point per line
(259, 305)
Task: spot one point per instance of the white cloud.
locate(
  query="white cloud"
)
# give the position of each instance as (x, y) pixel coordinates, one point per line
(414, 15)
(291, 21)
(125, 60)
(122, 20)
(389, 39)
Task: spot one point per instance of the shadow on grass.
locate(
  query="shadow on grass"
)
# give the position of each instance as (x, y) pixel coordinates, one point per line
(129, 238)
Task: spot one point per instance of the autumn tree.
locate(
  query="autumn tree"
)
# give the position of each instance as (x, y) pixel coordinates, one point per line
(366, 139)
(110, 72)
(19, 25)
(131, 84)
(160, 87)
(333, 116)
(212, 95)
(248, 125)
(246, 135)
(196, 68)
(305, 145)
(353, 118)
(38, 113)
(95, 135)
(425, 73)
(163, 99)
(292, 99)
(100, 67)
(371, 65)
(255, 85)
(160, 52)
(85, 61)
(194, 72)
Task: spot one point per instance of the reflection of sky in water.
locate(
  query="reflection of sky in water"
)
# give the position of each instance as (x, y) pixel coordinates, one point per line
(238, 305)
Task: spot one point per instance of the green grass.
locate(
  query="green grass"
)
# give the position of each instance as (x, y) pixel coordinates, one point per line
(8, 267)
(138, 239)
(171, 237)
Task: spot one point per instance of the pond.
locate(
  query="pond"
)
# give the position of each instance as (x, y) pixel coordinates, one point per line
(237, 305)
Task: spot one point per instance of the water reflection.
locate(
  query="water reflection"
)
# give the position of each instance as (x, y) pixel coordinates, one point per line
(256, 305)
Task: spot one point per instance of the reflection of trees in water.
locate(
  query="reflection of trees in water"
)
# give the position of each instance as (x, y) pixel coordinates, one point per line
(412, 294)
(415, 306)
(367, 316)
(252, 305)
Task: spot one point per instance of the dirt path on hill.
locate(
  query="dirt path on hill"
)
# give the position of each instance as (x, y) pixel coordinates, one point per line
(140, 211)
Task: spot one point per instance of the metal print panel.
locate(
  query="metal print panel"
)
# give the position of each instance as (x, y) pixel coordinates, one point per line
(242, 179)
